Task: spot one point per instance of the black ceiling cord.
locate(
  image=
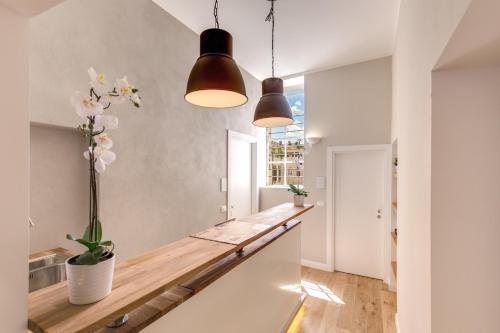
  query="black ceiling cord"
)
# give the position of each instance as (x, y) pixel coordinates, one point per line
(270, 18)
(216, 15)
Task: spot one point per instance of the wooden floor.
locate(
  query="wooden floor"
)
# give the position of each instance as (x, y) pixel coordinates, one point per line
(344, 303)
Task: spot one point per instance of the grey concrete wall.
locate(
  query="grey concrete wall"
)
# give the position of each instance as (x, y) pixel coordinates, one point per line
(170, 155)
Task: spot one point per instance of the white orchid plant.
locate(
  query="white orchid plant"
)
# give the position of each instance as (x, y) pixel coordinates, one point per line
(92, 108)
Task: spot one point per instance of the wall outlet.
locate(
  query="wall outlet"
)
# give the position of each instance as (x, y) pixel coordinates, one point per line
(223, 208)
(320, 203)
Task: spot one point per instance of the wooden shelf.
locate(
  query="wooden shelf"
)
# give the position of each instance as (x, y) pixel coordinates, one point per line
(394, 238)
(140, 279)
(394, 266)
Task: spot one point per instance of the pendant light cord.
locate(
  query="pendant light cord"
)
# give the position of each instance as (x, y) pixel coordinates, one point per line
(270, 18)
(216, 14)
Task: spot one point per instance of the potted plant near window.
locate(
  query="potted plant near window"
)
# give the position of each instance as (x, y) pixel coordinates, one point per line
(90, 274)
(298, 195)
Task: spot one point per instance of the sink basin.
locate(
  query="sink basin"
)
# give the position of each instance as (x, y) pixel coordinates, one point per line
(46, 271)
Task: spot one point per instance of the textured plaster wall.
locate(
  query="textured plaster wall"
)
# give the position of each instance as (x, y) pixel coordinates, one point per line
(58, 193)
(170, 155)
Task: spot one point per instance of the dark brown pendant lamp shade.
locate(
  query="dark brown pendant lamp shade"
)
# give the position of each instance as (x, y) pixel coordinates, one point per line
(215, 80)
(273, 109)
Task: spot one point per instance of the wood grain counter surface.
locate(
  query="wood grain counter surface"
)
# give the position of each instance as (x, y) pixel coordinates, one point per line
(141, 279)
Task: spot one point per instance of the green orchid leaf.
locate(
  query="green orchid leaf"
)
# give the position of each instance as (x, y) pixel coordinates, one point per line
(98, 251)
(86, 234)
(87, 258)
(106, 243)
(99, 231)
(70, 237)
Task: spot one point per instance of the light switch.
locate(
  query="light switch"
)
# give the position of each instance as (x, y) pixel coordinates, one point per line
(223, 184)
(320, 183)
(320, 203)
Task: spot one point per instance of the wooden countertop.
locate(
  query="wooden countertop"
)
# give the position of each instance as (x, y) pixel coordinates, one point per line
(140, 279)
(153, 310)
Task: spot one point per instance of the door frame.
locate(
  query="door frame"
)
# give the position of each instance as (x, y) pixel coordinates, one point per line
(253, 141)
(331, 152)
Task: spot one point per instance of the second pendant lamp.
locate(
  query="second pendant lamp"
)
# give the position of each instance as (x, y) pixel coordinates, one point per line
(215, 80)
(273, 109)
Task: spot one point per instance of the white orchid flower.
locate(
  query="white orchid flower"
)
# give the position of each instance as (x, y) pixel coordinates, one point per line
(98, 82)
(111, 99)
(102, 157)
(123, 88)
(107, 122)
(85, 106)
(136, 99)
(104, 141)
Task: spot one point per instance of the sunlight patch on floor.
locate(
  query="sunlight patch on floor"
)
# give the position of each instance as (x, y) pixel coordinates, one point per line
(316, 290)
(320, 291)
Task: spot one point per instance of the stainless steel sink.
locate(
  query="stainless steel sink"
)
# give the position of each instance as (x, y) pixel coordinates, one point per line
(46, 271)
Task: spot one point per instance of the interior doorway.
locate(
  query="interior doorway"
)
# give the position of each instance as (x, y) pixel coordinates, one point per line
(241, 175)
(359, 208)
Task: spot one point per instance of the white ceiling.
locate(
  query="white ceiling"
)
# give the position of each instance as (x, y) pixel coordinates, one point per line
(310, 34)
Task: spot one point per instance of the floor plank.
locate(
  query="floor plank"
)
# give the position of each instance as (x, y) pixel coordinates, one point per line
(344, 303)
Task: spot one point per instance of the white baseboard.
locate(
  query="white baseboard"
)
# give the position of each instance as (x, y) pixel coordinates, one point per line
(397, 323)
(316, 265)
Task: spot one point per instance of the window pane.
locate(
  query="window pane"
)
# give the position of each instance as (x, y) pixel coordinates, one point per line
(286, 145)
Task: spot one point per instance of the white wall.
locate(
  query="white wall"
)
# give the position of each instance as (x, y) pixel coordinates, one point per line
(164, 184)
(465, 196)
(14, 171)
(424, 28)
(349, 105)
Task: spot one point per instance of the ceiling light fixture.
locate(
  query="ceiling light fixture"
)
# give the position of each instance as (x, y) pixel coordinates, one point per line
(273, 109)
(215, 80)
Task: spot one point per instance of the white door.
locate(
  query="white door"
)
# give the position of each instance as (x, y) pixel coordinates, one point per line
(241, 174)
(358, 211)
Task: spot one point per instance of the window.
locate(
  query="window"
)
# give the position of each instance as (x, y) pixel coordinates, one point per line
(285, 145)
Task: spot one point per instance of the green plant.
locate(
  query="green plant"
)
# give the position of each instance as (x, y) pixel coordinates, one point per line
(297, 190)
(96, 247)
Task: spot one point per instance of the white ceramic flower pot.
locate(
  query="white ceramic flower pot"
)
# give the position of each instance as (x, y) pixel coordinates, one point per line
(298, 200)
(89, 283)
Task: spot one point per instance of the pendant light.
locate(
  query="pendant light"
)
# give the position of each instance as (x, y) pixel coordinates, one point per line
(215, 80)
(273, 109)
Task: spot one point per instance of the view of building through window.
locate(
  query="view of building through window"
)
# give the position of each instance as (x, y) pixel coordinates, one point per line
(286, 144)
